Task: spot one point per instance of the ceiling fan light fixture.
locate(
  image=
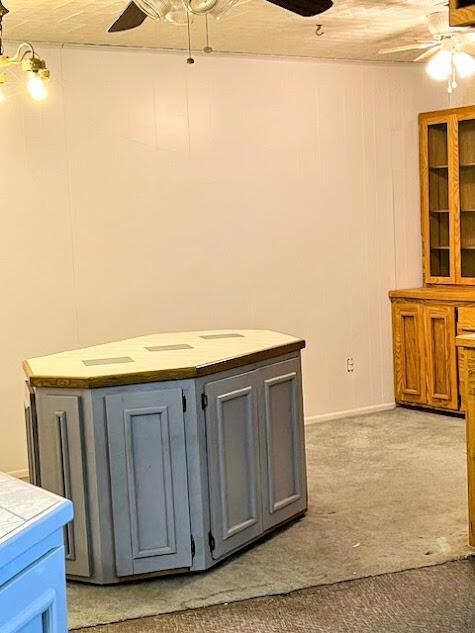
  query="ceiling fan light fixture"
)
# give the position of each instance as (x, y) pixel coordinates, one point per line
(465, 64)
(199, 7)
(221, 7)
(36, 86)
(440, 66)
(155, 9)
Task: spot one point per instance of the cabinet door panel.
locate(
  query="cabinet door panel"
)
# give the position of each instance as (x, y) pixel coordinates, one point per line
(233, 461)
(408, 332)
(34, 601)
(465, 325)
(441, 363)
(282, 443)
(62, 470)
(437, 154)
(146, 436)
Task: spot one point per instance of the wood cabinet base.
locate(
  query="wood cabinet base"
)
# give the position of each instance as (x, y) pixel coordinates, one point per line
(428, 369)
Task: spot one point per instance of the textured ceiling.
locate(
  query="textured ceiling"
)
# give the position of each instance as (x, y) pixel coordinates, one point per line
(353, 29)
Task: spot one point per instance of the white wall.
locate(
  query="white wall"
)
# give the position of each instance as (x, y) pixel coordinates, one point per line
(148, 195)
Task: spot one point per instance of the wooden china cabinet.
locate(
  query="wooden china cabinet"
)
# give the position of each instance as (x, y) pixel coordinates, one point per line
(462, 12)
(428, 369)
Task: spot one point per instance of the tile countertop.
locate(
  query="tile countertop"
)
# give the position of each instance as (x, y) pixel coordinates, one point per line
(22, 504)
(158, 357)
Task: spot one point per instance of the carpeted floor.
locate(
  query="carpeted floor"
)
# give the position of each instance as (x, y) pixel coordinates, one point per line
(387, 493)
(437, 599)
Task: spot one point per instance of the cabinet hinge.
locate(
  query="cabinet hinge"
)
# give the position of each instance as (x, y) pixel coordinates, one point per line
(212, 542)
(193, 547)
(204, 401)
(184, 402)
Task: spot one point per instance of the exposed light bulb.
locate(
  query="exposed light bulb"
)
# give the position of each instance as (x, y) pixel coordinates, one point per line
(440, 66)
(465, 64)
(37, 87)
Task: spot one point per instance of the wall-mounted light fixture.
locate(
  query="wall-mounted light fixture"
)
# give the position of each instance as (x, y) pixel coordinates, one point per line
(35, 69)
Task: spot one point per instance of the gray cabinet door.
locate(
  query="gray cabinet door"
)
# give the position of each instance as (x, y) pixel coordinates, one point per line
(62, 470)
(233, 462)
(146, 436)
(282, 442)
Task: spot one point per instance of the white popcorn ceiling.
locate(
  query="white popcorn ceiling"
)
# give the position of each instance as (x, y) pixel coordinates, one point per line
(353, 29)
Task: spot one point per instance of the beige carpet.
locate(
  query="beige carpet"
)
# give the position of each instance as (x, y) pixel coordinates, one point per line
(387, 493)
(436, 599)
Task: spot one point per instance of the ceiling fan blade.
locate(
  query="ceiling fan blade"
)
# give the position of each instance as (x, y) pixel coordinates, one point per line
(306, 8)
(408, 47)
(428, 53)
(130, 19)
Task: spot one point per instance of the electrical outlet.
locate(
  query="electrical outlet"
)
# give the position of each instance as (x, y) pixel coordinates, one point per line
(350, 365)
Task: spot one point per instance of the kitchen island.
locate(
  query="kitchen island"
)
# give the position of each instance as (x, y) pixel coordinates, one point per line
(176, 449)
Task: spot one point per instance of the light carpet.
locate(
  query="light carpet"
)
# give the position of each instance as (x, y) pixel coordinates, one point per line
(387, 492)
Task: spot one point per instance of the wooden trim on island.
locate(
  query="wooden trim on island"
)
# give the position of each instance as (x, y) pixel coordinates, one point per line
(160, 375)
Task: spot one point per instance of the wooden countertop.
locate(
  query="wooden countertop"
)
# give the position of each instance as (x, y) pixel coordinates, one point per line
(436, 293)
(158, 357)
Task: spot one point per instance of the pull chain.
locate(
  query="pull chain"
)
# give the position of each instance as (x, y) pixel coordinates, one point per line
(1, 33)
(207, 48)
(3, 12)
(190, 59)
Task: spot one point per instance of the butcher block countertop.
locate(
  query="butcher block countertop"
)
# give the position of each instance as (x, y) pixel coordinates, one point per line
(158, 357)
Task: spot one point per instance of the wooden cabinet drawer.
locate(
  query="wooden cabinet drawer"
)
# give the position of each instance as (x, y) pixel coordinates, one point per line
(465, 320)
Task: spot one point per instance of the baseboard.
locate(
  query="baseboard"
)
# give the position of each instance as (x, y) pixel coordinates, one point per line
(20, 474)
(349, 413)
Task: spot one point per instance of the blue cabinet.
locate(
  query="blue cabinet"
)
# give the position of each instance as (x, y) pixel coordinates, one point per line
(32, 570)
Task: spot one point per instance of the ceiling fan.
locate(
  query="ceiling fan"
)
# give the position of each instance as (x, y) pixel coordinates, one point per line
(178, 11)
(449, 52)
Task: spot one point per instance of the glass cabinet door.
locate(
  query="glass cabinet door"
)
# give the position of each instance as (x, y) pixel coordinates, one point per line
(439, 254)
(466, 176)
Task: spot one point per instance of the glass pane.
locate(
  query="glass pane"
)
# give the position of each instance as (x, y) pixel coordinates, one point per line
(467, 196)
(439, 201)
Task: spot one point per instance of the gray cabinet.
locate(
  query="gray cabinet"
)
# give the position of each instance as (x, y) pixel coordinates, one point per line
(146, 441)
(62, 466)
(256, 453)
(172, 475)
(284, 486)
(232, 433)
